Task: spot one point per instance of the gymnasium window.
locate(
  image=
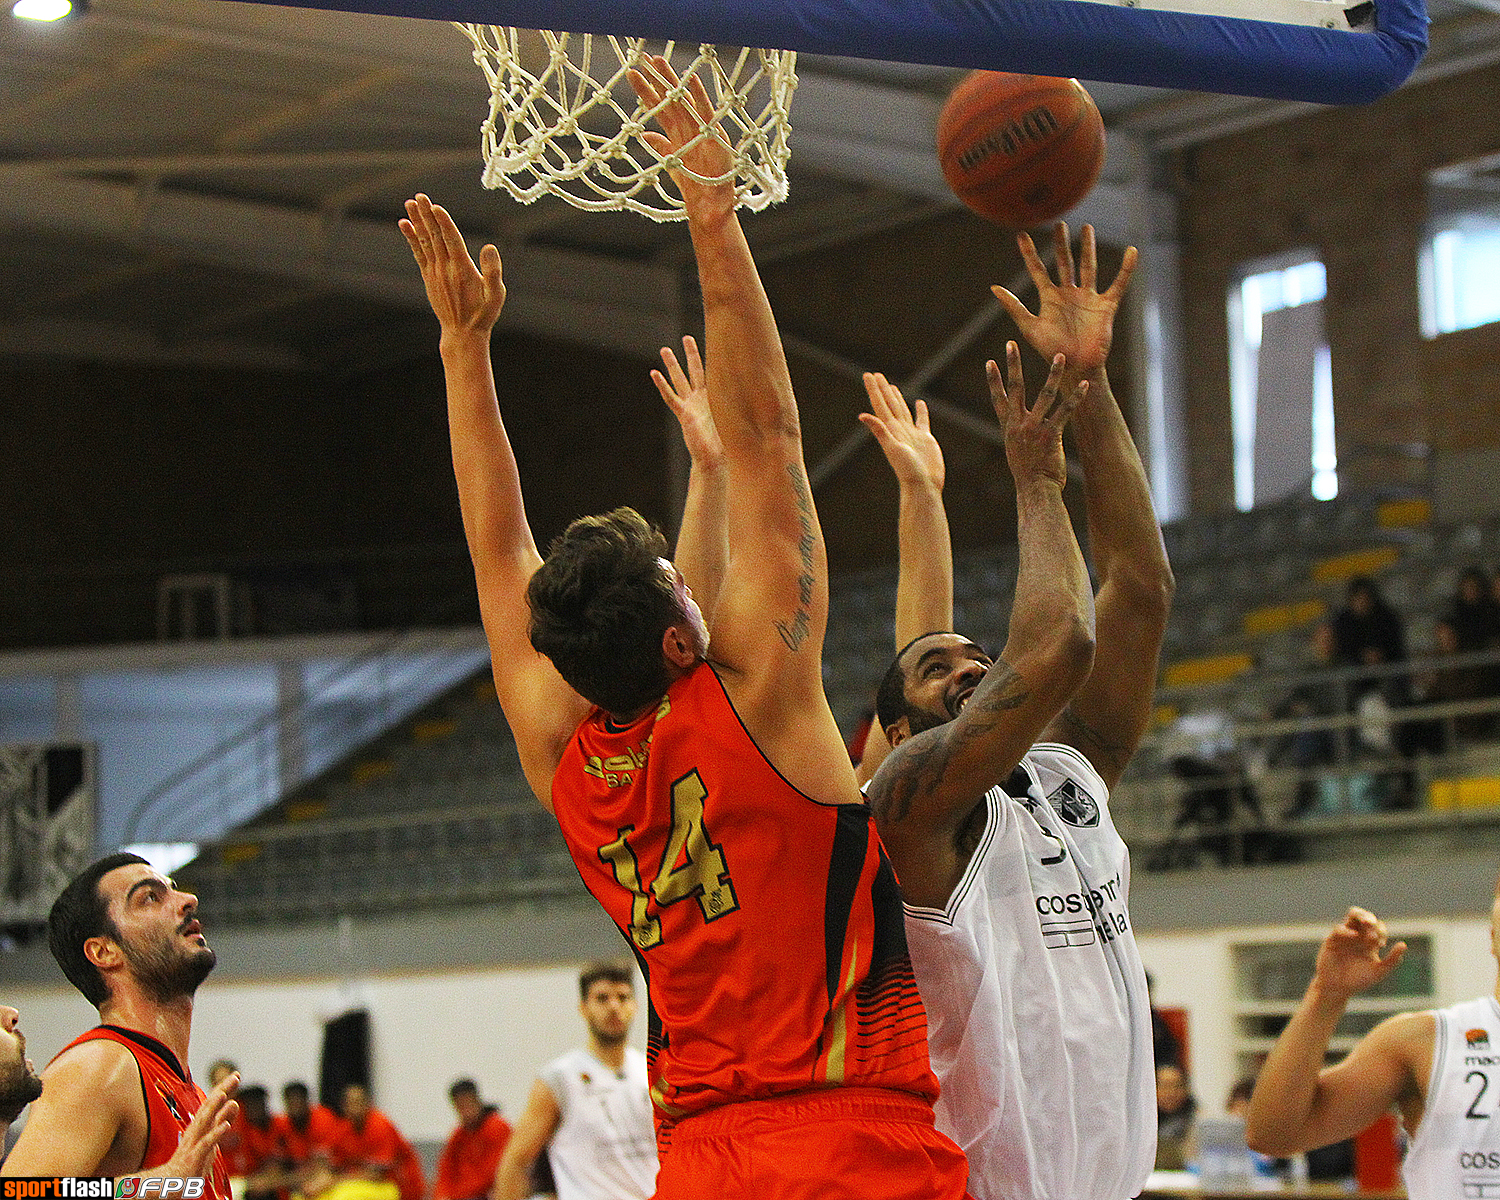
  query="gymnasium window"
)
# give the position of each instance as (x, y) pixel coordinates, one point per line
(1281, 383)
(1460, 268)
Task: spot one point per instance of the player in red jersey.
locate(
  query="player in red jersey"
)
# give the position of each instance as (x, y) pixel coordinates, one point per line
(706, 796)
(119, 1099)
(305, 1133)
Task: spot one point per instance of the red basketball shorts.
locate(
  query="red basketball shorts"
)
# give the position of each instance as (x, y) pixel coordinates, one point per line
(849, 1143)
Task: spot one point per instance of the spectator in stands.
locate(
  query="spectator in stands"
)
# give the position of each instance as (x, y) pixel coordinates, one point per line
(1176, 1110)
(305, 1133)
(1368, 632)
(219, 1070)
(1238, 1105)
(1443, 685)
(252, 1162)
(1305, 750)
(467, 1167)
(1475, 613)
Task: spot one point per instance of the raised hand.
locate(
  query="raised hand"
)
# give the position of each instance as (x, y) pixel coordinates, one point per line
(194, 1155)
(905, 437)
(682, 121)
(1351, 960)
(1073, 318)
(465, 298)
(686, 394)
(1033, 436)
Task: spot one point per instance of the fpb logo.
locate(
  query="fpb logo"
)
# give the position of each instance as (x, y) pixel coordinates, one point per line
(1478, 1039)
(155, 1188)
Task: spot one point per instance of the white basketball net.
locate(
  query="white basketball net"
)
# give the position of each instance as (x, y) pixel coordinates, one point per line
(573, 130)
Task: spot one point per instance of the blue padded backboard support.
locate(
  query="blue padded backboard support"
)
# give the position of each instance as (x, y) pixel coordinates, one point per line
(1106, 42)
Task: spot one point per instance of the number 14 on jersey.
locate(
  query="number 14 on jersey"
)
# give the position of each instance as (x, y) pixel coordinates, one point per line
(691, 865)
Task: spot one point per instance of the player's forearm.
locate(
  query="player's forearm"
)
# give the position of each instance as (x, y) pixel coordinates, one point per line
(1052, 612)
(484, 465)
(703, 537)
(924, 587)
(1124, 535)
(1286, 1091)
(749, 386)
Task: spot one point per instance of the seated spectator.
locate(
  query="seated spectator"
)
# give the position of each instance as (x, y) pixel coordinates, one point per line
(305, 1133)
(1444, 685)
(371, 1160)
(1368, 632)
(252, 1161)
(466, 1169)
(1238, 1105)
(1475, 613)
(1176, 1111)
(1305, 750)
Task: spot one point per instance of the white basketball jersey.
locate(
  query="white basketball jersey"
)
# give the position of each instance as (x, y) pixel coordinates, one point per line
(1456, 1153)
(1039, 1025)
(605, 1144)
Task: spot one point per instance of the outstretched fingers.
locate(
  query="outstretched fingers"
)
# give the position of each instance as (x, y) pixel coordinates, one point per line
(1128, 261)
(1007, 392)
(1062, 253)
(1051, 405)
(678, 384)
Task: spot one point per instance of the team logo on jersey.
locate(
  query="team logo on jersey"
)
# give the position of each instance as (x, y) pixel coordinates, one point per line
(1478, 1039)
(170, 1101)
(585, 1076)
(1074, 805)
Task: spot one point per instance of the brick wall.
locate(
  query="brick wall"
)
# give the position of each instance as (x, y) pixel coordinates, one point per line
(1348, 183)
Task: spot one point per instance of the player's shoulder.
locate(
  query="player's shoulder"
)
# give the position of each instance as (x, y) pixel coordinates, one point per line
(92, 1057)
(1059, 758)
(98, 1072)
(1408, 1036)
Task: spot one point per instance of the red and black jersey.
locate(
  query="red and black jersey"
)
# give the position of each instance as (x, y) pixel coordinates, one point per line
(768, 925)
(170, 1095)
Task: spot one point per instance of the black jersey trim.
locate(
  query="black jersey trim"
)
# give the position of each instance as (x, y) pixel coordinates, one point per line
(146, 1042)
(846, 863)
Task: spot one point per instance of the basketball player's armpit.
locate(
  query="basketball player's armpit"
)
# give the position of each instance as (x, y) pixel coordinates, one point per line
(1073, 730)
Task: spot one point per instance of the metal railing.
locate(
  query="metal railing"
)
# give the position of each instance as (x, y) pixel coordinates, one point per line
(1246, 774)
(237, 778)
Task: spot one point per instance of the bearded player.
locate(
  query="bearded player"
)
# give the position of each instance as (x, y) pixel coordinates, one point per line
(118, 1100)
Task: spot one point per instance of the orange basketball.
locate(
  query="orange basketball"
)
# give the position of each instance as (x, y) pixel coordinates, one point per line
(1020, 149)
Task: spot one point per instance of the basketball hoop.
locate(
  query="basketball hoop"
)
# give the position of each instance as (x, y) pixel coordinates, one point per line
(570, 126)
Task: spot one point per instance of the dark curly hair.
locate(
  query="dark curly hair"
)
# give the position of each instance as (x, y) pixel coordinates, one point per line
(599, 606)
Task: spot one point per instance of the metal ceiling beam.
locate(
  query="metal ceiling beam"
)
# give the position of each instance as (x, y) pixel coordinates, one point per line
(266, 124)
(89, 82)
(620, 306)
(114, 341)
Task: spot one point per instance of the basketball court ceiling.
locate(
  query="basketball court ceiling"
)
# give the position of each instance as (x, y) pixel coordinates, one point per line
(207, 182)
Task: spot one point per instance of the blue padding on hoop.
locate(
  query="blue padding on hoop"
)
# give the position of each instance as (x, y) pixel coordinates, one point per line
(1105, 42)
